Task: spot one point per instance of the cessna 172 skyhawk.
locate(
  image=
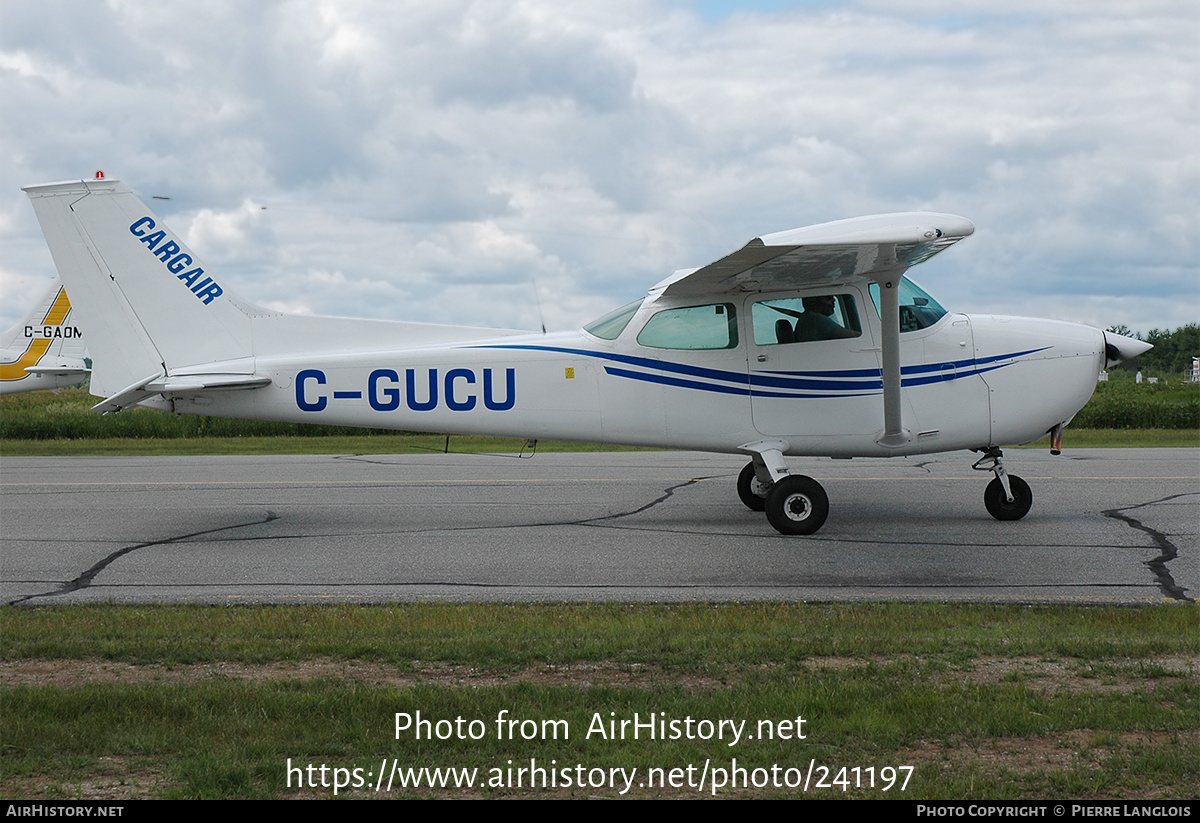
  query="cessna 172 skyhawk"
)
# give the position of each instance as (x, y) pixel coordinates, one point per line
(804, 342)
(44, 350)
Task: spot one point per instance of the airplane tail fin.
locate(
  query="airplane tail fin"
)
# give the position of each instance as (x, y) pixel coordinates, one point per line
(46, 344)
(145, 302)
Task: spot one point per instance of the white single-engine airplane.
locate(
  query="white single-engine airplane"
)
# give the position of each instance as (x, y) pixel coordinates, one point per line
(804, 342)
(44, 350)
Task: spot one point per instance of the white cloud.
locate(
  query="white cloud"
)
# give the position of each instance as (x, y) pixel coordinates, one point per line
(447, 156)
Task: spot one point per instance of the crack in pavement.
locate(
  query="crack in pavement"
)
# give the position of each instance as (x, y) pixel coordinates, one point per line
(1158, 565)
(85, 580)
(1162, 577)
(667, 493)
(367, 458)
(597, 522)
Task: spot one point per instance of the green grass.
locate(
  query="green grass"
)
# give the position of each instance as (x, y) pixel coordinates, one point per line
(686, 637)
(44, 423)
(984, 702)
(1122, 439)
(390, 443)
(1121, 413)
(1120, 403)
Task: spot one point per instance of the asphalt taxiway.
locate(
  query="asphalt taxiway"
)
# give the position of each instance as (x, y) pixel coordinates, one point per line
(1107, 525)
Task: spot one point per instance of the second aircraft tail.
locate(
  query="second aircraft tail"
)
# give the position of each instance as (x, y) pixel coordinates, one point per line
(44, 350)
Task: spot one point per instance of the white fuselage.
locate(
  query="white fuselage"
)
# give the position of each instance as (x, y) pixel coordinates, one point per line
(968, 382)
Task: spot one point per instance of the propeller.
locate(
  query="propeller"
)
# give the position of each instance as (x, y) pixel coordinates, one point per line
(1118, 347)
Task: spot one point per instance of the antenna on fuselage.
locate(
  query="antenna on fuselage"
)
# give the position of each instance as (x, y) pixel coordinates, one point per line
(537, 300)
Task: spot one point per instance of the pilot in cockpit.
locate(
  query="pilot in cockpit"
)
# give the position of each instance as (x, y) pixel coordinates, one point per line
(817, 323)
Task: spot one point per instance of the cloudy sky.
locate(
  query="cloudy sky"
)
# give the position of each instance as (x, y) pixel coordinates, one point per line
(508, 163)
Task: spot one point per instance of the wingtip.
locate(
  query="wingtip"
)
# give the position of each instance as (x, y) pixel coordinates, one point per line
(902, 227)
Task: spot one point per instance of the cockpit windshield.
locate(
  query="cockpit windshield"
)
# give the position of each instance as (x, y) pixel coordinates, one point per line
(610, 326)
(917, 309)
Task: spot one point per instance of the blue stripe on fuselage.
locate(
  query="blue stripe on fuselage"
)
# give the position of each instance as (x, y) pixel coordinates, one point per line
(801, 384)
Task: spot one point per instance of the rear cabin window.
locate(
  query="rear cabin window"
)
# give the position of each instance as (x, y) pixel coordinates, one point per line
(805, 319)
(697, 327)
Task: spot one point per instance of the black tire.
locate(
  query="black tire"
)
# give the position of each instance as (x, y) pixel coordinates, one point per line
(748, 487)
(998, 505)
(797, 505)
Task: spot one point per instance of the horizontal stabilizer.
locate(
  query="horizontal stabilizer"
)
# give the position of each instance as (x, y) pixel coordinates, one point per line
(57, 371)
(182, 384)
(197, 383)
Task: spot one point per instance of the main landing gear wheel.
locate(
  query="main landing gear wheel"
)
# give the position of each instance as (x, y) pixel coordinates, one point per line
(997, 502)
(751, 490)
(797, 505)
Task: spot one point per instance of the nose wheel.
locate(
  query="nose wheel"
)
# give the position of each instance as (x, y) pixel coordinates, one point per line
(1007, 497)
(1000, 507)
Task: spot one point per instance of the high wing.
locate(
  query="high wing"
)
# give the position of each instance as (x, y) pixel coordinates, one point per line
(826, 253)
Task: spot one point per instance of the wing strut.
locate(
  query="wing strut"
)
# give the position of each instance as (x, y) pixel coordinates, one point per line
(894, 434)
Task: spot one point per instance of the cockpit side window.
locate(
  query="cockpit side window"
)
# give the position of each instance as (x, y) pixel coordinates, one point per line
(610, 326)
(805, 319)
(917, 309)
(697, 327)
